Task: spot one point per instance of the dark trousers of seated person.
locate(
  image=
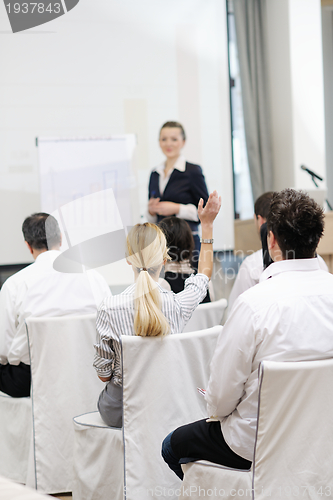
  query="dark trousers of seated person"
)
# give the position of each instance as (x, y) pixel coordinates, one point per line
(15, 380)
(199, 440)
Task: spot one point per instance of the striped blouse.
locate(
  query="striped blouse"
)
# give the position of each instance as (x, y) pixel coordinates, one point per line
(116, 317)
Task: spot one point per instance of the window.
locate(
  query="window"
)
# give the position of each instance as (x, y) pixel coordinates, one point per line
(242, 182)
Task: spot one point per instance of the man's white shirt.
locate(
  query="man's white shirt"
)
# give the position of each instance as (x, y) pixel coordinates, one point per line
(288, 316)
(249, 275)
(39, 290)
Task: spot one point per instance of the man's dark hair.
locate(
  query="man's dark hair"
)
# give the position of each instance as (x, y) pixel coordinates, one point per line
(297, 223)
(262, 204)
(179, 238)
(41, 230)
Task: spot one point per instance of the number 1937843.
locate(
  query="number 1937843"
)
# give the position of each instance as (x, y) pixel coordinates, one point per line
(33, 7)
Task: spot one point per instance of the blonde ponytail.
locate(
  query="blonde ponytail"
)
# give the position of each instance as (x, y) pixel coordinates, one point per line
(146, 251)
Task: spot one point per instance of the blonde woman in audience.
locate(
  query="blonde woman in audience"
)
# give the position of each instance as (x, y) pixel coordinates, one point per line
(145, 308)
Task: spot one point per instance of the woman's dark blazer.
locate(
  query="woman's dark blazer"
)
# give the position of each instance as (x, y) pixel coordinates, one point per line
(183, 187)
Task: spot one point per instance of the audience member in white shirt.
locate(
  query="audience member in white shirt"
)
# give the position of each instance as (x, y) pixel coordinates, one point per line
(252, 267)
(288, 316)
(39, 290)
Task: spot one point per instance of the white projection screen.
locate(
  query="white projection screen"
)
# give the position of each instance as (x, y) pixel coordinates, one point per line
(71, 169)
(90, 186)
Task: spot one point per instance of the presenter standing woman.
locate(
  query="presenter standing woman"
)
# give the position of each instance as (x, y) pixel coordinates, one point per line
(176, 186)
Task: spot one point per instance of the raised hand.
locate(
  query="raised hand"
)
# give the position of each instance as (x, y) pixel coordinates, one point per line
(208, 214)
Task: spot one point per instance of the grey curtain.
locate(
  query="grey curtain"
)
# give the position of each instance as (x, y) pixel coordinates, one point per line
(250, 21)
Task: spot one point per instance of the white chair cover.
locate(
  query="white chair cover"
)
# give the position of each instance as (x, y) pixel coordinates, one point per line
(204, 479)
(64, 384)
(15, 437)
(13, 491)
(207, 315)
(160, 380)
(295, 432)
(98, 459)
(294, 439)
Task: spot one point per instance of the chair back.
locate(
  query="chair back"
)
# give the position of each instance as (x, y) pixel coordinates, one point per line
(207, 315)
(160, 380)
(294, 432)
(63, 384)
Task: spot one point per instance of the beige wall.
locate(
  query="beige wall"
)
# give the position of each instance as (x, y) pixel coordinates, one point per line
(111, 67)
